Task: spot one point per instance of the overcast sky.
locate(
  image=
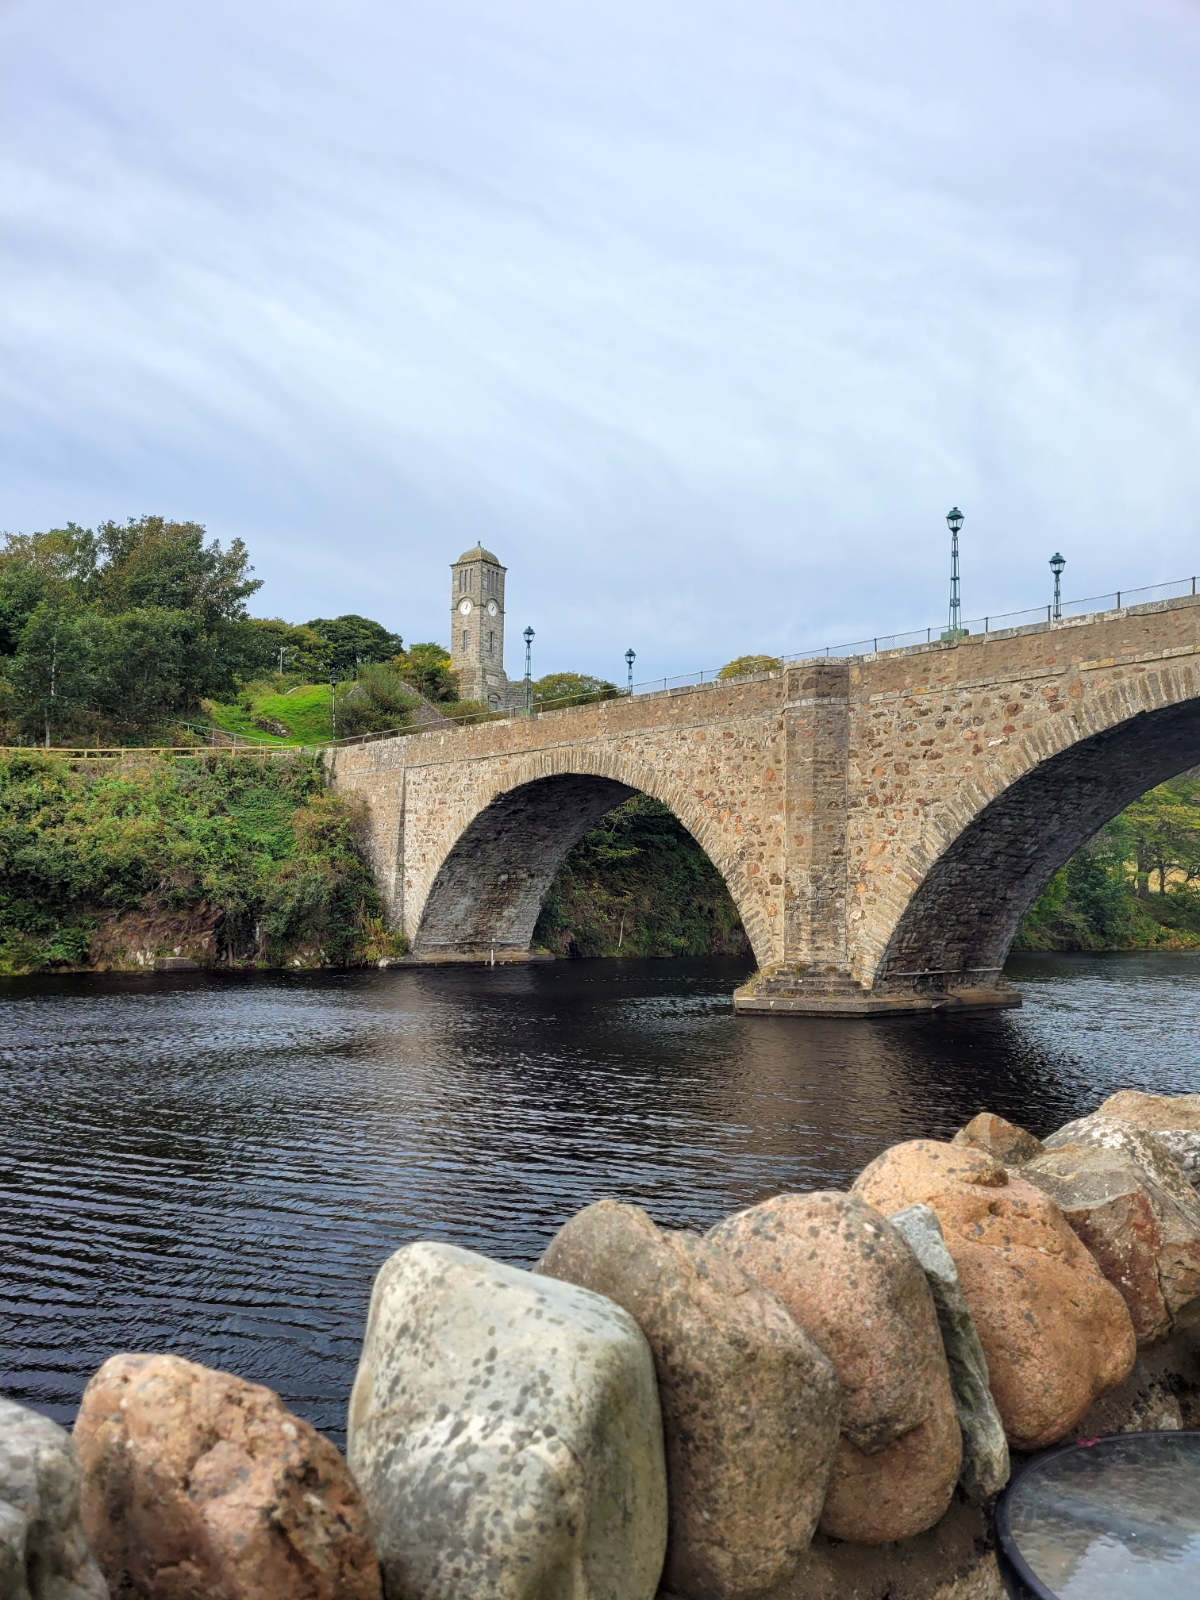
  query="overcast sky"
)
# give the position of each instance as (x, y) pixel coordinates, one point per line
(701, 313)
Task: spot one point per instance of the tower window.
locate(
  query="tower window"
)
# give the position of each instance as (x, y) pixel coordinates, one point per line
(462, 579)
(464, 643)
(491, 644)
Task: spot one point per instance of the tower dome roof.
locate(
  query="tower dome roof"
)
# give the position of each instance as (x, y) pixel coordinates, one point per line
(477, 553)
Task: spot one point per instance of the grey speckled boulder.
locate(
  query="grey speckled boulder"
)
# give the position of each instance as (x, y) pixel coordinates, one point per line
(985, 1464)
(1172, 1119)
(750, 1404)
(505, 1433)
(43, 1553)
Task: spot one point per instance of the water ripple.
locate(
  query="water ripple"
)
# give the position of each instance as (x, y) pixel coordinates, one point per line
(218, 1166)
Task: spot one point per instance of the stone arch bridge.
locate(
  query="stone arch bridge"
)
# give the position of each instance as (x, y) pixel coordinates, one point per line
(883, 822)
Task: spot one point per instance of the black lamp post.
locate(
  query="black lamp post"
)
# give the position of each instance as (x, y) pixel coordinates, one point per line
(1057, 563)
(528, 637)
(333, 683)
(954, 521)
(630, 658)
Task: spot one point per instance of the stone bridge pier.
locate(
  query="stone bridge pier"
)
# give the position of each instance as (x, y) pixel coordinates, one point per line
(882, 822)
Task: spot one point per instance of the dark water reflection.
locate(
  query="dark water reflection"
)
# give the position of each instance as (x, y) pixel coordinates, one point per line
(218, 1166)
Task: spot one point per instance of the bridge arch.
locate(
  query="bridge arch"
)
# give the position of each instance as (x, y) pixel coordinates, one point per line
(500, 850)
(983, 859)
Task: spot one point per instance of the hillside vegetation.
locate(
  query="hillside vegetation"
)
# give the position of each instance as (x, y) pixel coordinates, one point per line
(1133, 887)
(230, 859)
(637, 884)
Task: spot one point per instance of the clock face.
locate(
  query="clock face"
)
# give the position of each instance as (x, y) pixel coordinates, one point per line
(465, 607)
(492, 608)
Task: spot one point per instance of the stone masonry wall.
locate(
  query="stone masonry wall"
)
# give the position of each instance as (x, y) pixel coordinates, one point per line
(999, 743)
(888, 818)
(715, 756)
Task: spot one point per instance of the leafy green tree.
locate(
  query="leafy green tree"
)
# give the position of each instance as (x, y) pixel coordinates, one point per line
(743, 666)
(52, 566)
(51, 673)
(1164, 831)
(559, 689)
(268, 644)
(149, 665)
(355, 642)
(427, 668)
(151, 562)
(22, 590)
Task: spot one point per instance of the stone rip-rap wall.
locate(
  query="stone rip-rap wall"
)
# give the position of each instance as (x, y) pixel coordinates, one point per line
(820, 1398)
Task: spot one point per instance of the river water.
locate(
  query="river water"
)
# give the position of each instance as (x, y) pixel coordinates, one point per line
(218, 1166)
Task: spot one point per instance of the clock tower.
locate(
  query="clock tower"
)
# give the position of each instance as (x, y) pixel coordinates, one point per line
(477, 628)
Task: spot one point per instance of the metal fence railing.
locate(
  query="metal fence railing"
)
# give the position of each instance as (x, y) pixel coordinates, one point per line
(126, 752)
(1000, 622)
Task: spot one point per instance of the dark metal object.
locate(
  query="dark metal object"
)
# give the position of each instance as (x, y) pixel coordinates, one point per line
(954, 521)
(528, 637)
(1057, 563)
(1114, 1518)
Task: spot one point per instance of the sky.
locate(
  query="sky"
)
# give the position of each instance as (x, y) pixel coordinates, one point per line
(701, 315)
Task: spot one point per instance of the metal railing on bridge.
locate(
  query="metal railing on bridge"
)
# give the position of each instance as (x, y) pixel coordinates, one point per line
(999, 622)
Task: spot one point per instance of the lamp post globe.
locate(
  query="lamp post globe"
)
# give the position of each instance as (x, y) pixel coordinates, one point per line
(630, 658)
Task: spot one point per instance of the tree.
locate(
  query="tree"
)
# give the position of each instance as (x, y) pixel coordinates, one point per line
(1164, 831)
(53, 566)
(51, 673)
(355, 642)
(427, 668)
(268, 644)
(149, 665)
(559, 689)
(150, 562)
(743, 666)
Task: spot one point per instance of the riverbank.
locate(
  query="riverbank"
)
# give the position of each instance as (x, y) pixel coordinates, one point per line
(230, 860)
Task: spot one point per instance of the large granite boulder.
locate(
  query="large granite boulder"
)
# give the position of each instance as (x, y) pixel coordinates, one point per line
(1140, 1218)
(855, 1287)
(200, 1486)
(505, 1431)
(750, 1404)
(44, 1554)
(999, 1138)
(985, 1465)
(1173, 1121)
(1056, 1333)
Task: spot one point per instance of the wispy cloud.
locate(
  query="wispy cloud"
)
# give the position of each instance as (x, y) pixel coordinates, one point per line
(700, 314)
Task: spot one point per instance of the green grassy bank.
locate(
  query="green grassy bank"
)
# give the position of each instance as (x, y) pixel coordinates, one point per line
(238, 860)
